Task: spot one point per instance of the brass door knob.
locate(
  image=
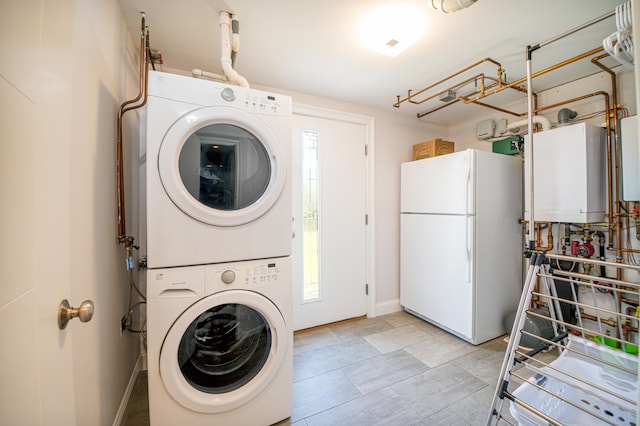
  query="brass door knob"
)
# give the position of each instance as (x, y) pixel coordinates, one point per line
(67, 313)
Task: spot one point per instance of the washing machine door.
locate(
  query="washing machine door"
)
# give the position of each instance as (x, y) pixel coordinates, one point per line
(223, 351)
(222, 166)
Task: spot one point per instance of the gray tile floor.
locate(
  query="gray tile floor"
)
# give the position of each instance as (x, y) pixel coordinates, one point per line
(391, 370)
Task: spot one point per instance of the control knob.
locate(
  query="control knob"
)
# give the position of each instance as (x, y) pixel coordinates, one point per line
(228, 276)
(228, 94)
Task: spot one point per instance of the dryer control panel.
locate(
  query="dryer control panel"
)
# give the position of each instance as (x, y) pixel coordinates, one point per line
(262, 102)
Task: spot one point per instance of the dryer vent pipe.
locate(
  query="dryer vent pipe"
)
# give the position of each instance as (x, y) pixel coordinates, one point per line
(537, 119)
(229, 48)
(565, 115)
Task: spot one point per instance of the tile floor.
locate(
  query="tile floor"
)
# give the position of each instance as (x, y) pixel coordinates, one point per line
(391, 370)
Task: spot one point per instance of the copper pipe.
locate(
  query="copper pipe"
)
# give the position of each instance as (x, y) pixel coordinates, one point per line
(636, 212)
(422, 114)
(518, 88)
(483, 94)
(462, 83)
(127, 106)
(616, 164)
(464, 99)
(626, 250)
(544, 71)
(409, 95)
(500, 88)
(498, 83)
(568, 101)
(496, 108)
(539, 245)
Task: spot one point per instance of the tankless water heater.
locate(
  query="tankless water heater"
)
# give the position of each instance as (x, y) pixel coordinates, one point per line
(569, 174)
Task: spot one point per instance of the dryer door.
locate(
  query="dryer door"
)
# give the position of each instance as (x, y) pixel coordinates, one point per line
(221, 166)
(223, 351)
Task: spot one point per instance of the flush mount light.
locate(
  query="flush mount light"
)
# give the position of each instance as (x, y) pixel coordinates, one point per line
(448, 6)
(391, 29)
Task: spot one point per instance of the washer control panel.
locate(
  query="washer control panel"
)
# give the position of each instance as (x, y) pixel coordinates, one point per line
(249, 274)
(262, 273)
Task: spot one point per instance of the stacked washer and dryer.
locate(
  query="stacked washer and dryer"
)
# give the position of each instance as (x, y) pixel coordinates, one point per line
(216, 230)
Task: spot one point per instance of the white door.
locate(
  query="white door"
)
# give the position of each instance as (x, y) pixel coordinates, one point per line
(37, 364)
(330, 208)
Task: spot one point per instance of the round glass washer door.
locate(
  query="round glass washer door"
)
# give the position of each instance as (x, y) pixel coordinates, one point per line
(221, 166)
(223, 351)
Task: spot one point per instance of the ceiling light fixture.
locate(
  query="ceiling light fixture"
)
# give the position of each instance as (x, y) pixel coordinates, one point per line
(448, 6)
(391, 29)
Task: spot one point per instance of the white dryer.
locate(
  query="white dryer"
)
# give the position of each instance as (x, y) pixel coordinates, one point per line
(214, 173)
(220, 343)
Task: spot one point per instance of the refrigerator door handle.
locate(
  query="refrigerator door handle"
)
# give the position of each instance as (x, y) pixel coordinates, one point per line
(468, 189)
(468, 248)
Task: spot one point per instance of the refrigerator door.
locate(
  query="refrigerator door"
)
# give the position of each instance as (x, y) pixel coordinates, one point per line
(441, 184)
(436, 272)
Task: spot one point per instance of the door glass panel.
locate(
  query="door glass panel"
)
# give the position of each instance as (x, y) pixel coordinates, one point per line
(310, 240)
(224, 167)
(224, 348)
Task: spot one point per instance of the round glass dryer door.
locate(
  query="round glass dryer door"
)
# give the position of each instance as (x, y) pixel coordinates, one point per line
(223, 351)
(221, 166)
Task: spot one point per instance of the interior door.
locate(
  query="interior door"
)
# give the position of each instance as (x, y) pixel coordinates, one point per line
(35, 253)
(330, 238)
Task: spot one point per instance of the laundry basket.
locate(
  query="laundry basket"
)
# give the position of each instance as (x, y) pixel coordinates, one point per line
(587, 375)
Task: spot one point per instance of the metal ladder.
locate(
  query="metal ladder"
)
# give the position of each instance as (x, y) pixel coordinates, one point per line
(592, 378)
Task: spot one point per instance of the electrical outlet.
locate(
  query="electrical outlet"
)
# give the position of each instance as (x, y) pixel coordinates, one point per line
(123, 324)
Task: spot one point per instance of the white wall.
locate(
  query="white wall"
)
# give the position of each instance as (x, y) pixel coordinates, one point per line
(104, 77)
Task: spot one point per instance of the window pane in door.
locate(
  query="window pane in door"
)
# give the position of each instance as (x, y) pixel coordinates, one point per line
(310, 238)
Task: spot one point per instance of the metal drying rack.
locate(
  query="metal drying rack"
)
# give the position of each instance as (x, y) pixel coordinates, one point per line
(582, 370)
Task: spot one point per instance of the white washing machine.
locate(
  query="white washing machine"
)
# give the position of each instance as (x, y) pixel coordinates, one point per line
(220, 343)
(214, 173)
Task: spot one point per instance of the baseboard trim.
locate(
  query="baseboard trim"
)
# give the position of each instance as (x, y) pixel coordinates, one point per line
(121, 415)
(388, 307)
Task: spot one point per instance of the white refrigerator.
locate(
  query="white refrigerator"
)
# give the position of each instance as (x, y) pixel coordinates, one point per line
(461, 241)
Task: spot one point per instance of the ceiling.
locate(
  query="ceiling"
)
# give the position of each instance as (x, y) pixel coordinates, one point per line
(311, 46)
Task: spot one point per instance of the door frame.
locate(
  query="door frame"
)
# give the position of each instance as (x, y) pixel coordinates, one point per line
(369, 124)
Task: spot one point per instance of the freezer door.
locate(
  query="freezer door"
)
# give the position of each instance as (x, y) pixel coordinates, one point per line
(436, 270)
(442, 184)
